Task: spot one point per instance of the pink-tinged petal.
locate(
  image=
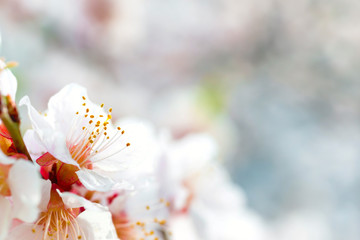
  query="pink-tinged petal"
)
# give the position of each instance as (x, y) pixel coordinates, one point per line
(5, 217)
(34, 144)
(46, 160)
(25, 185)
(94, 181)
(8, 82)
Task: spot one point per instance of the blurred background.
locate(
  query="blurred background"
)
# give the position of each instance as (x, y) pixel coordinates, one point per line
(275, 82)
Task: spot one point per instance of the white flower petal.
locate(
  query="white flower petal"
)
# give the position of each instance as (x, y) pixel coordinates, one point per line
(5, 159)
(45, 195)
(8, 82)
(54, 141)
(97, 225)
(5, 217)
(94, 181)
(24, 181)
(95, 221)
(62, 107)
(74, 201)
(24, 232)
(34, 144)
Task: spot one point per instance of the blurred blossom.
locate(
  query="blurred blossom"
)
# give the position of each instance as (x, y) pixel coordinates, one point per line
(275, 83)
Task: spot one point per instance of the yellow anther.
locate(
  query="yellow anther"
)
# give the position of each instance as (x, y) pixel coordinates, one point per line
(128, 144)
(83, 97)
(147, 208)
(11, 64)
(91, 116)
(102, 105)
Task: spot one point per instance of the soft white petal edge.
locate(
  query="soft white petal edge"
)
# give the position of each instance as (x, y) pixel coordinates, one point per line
(8, 82)
(94, 181)
(25, 185)
(95, 221)
(54, 141)
(5, 159)
(5, 217)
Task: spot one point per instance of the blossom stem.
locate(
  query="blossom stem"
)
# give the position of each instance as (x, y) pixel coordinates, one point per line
(13, 127)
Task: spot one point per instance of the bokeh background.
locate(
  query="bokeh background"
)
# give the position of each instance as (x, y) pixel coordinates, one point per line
(275, 82)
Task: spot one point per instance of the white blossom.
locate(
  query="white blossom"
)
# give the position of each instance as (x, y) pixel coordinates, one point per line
(78, 132)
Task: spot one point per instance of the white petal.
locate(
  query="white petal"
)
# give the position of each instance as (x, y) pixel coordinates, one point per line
(45, 194)
(5, 159)
(74, 201)
(182, 227)
(34, 144)
(25, 185)
(24, 232)
(118, 204)
(53, 140)
(97, 225)
(38, 121)
(94, 181)
(95, 221)
(5, 217)
(193, 152)
(8, 83)
(62, 107)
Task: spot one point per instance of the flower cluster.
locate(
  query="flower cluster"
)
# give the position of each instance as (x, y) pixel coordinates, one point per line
(77, 174)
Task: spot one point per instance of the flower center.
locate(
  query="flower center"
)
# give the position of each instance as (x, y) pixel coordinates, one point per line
(58, 222)
(95, 138)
